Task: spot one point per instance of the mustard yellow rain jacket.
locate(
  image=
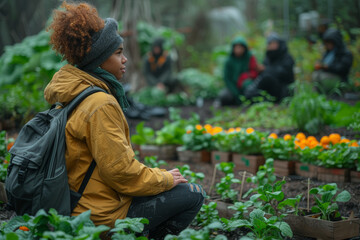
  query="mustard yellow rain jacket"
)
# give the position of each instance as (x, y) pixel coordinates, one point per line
(97, 129)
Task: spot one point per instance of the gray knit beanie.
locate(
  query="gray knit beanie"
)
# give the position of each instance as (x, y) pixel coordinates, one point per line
(104, 44)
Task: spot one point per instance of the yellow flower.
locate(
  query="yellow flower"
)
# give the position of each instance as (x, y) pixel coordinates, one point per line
(273, 135)
(287, 137)
(199, 127)
(354, 144)
(249, 130)
(335, 138)
(238, 129)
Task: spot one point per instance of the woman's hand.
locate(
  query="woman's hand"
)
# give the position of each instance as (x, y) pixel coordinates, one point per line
(178, 178)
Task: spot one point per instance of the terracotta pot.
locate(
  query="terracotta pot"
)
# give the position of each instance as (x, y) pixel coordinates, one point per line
(306, 170)
(284, 167)
(163, 152)
(218, 157)
(355, 176)
(193, 156)
(333, 174)
(248, 163)
(311, 226)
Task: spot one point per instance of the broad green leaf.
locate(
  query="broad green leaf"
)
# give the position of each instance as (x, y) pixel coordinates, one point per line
(344, 196)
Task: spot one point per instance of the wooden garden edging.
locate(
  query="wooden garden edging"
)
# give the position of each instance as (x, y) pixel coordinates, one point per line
(305, 170)
(248, 163)
(163, 152)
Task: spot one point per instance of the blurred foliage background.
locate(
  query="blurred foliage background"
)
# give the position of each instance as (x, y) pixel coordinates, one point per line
(197, 34)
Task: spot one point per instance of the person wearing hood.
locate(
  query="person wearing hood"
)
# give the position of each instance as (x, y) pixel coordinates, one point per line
(276, 74)
(120, 186)
(239, 71)
(335, 64)
(158, 67)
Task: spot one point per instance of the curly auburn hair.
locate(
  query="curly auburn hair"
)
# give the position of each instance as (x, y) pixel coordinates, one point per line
(72, 30)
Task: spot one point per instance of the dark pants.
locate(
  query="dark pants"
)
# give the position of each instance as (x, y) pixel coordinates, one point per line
(168, 212)
(270, 84)
(226, 98)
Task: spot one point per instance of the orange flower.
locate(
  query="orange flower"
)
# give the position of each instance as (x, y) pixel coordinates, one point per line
(311, 138)
(335, 138)
(273, 135)
(188, 131)
(208, 127)
(9, 146)
(217, 130)
(344, 140)
(238, 129)
(325, 140)
(287, 137)
(300, 136)
(6, 162)
(249, 130)
(23, 228)
(354, 144)
(198, 127)
(230, 130)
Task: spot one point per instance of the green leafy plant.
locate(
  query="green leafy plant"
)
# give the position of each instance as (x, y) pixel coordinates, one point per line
(339, 156)
(278, 148)
(53, 226)
(224, 187)
(196, 139)
(191, 176)
(172, 132)
(128, 228)
(153, 162)
(240, 209)
(309, 109)
(309, 155)
(264, 175)
(207, 214)
(4, 155)
(325, 198)
(145, 135)
(261, 227)
(204, 233)
(222, 141)
(247, 142)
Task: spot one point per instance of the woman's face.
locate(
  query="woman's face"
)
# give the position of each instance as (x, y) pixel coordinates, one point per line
(115, 64)
(238, 50)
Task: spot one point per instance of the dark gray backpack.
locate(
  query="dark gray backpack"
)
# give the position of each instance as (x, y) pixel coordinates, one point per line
(37, 177)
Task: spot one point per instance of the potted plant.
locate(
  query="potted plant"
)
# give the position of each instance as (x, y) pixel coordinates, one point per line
(282, 150)
(247, 152)
(307, 164)
(221, 148)
(335, 163)
(196, 145)
(326, 222)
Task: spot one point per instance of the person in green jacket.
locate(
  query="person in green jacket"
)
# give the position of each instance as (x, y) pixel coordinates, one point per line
(239, 71)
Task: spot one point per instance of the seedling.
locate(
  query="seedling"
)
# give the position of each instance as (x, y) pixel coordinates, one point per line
(326, 201)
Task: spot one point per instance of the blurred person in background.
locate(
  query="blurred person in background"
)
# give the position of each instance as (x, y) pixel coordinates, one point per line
(335, 65)
(157, 67)
(276, 74)
(239, 72)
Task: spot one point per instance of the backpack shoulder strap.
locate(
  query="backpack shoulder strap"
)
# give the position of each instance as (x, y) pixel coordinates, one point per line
(79, 98)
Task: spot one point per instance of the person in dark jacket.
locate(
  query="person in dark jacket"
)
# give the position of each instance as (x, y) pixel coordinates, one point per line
(158, 67)
(239, 71)
(335, 64)
(276, 73)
